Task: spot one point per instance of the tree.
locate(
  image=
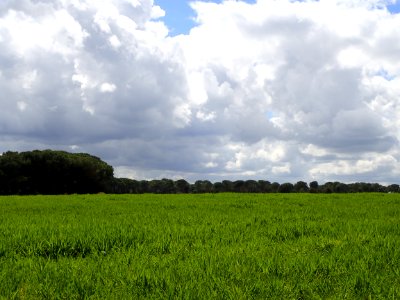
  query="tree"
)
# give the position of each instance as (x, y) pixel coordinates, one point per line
(124, 186)
(313, 186)
(239, 186)
(339, 187)
(155, 186)
(393, 188)
(377, 188)
(144, 187)
(251, 186)
(301, 187)
(202, 186)
(227, 185)
(167, 186)
(265, 186)
(275, 187)
(182, 186)
(218, 187)
(327, 188)
(53, 172)
(286, 187)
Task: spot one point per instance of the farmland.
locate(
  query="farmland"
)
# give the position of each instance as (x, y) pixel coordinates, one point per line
(204, 246)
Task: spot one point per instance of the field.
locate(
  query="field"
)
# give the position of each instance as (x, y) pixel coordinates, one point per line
(222, 246)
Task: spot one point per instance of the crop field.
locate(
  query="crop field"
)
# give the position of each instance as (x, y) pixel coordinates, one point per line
(206, 246)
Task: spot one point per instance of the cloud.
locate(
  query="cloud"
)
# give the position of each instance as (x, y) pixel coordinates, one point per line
(278, 89)
(285, 71)
(66, 78)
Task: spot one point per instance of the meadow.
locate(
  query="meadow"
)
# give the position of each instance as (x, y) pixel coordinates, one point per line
(205, 246)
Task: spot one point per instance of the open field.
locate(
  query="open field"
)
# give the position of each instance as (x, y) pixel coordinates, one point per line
(207, 246)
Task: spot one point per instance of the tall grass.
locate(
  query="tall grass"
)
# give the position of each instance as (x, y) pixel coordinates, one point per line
(224, 246)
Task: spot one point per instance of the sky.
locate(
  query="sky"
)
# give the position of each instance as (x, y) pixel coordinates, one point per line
(279, 90)
(179, 16)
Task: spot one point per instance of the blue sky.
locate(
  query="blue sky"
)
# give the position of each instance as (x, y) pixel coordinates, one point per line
(179, 15)
(395, 8)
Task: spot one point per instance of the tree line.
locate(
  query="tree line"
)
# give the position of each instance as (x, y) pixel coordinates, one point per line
(181, 186)
(59, 172)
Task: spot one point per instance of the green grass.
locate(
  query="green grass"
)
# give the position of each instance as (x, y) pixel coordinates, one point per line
(224, 246)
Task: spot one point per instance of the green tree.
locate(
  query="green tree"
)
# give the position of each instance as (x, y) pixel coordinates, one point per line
(314, 186)
(202, 186)
(218, 187)
(227, 186)
(301, 187)
(251, 186)
(286, 187)
(393, 188)
(275, 187)
(265, 186)
(53, 172)
(182, 186)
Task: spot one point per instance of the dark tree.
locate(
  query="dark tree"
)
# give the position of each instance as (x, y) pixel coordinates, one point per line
(227, 185)
(265, 186)
(155, 186)
(239, 186)
(182, 186)
(168, 186)
(144, 187)
(393, 188)
(251, 186)
(124, 186)
(313, 186)
(218, 187)
(275, 187)
(53, 172)
(301, 187)
(202, 186)
(339, 187)
(327, 188)
(286, 188)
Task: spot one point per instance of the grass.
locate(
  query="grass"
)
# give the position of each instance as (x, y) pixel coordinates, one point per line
(222, 246)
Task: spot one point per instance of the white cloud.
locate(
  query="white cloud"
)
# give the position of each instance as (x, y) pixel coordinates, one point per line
(280, 90)
(58, 32)
(21, 105)
(114, 41)
(368, 164)
(107, 87)
(284, 169)
(314, 151)
(157, 12)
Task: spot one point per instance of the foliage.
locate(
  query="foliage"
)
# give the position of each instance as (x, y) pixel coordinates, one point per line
(181, 186)
(52, 172)
(205, 246)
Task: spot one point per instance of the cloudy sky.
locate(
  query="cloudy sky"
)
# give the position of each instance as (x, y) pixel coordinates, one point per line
(280, 90)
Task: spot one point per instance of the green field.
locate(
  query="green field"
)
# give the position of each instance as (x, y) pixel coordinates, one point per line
(208, 246)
